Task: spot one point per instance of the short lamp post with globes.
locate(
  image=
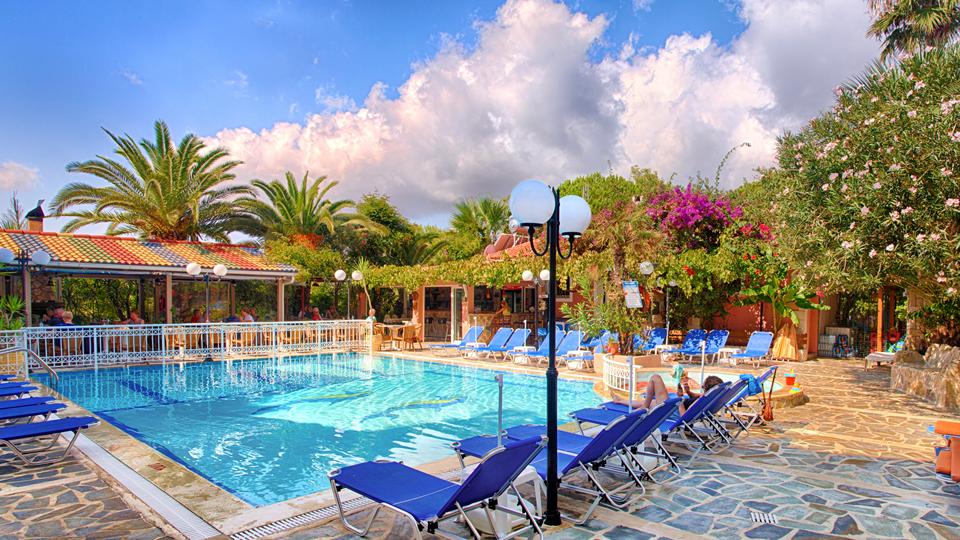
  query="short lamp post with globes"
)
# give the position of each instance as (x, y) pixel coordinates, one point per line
(535, 204)
(537, 280)
(194, 269)
(25, 260)
(341, 276)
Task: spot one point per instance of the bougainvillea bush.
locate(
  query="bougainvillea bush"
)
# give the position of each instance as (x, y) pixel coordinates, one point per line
(868, 194)
(692, 218)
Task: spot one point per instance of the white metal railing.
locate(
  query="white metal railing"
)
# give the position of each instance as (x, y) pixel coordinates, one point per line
(118, 345)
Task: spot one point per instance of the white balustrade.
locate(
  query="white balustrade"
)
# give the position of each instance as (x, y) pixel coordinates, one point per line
(119, 345)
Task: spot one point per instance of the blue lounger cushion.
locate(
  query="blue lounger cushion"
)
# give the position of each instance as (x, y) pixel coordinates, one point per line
(18, 391)
(24, 402)
(13, 384)
(7, 377)
(50, 427)
(568, 442)
(27, 412)
(599, 416)
(428, 499)
(420, 494)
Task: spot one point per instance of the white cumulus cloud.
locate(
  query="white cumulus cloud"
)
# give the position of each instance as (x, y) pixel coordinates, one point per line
(527, 101)
(17, 176)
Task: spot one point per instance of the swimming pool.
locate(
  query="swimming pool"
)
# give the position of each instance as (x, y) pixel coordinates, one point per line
(269, 430)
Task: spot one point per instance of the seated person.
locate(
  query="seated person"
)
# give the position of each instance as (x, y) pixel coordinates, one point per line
(67, 319)
(196, 317)
(372, 315)
(683, 389)
(232, 318)
(134, 318)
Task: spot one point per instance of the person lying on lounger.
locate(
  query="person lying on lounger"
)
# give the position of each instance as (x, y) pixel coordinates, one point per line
(656, 392)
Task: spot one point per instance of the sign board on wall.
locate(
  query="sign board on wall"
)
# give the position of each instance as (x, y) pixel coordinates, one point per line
(631, 294)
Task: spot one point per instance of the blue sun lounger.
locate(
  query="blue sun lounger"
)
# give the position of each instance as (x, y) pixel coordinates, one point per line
(522, 351)
(758, 348)
(705, 439)
(569, 343)
(12, 384)
(24, 402)
(746, 420)
(500, 337)
(26, 433)
(582, 358)
(427, 501)
(715, 340)
(591, 457)
(472, 335)
(654, 338)
(17, 391)
(691, 342)
(29, 412)
(7, 377)
(517, 339)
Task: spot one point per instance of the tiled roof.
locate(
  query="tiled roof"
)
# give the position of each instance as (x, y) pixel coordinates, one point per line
(85, 251)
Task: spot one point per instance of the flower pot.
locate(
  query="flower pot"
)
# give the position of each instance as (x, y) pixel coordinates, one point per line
(613, 348)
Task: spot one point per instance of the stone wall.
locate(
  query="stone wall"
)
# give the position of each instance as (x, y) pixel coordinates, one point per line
(936, 379)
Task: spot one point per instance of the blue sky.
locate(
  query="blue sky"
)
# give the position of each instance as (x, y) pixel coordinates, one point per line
(204, 66)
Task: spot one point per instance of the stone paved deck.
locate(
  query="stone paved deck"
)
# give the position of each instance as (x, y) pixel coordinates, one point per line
(855, 462)
(66, 500)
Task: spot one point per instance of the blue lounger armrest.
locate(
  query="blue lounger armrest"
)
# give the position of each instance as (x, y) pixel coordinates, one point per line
(60, 426)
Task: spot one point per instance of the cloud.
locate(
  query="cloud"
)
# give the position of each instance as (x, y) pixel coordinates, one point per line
(642, 5)
(132, 77)
(239, 82)
(527, 101)
(333, 102)
(15, 175)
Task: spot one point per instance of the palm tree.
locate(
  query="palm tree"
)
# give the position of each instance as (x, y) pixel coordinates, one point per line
(157, 190)
(909, 25)
(422, 246)
(482, 218)
(297, 211)
(13, 217)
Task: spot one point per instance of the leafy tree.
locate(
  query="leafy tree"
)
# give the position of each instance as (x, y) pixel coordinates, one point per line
(313, 263)
(157, 189)
(868, 194)
(13, 217)
(909, 26)
(300, 212)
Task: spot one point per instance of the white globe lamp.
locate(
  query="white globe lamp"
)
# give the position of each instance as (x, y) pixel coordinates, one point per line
(531, 203)
(357, 275)
(574, 215)
(7, 256)
(40, 258)
(673, 283)
(527, 275)
(544, 275)
(220, 270)
(646, 268)
(193, 269)
(340, 275)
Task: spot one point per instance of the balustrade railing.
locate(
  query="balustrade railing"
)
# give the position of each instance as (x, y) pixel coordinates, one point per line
(117, 345)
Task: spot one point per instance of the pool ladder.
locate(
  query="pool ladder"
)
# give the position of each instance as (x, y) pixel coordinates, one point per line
(54, 377)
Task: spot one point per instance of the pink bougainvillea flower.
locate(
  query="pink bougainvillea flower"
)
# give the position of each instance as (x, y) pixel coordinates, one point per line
(953, 203)
(873, 253)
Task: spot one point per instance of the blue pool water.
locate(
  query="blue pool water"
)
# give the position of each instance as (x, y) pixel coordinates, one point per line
(268, 431)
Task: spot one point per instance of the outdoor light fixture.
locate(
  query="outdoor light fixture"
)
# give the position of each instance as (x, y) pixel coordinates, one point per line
(24, 260)
(646, 268)
(535, 204)
(194, 269)
(527, 275)
(513, 224)
(341, 275)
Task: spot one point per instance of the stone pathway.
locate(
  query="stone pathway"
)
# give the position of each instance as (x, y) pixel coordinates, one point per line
(856, 462)
(65, 500)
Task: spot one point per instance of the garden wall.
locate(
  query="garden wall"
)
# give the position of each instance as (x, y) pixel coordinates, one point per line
(935, 377)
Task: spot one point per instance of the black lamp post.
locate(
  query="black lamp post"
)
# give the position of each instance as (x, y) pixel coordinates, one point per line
(535, 204)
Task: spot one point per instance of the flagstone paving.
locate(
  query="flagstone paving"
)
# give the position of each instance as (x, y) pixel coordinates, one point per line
(856, 462)
(65, 500)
